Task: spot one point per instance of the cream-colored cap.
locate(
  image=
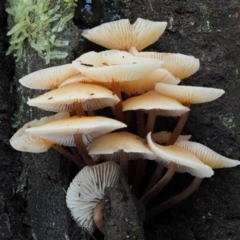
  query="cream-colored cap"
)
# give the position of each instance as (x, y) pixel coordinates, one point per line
(180, 65)
(122, 35)
(87, 189)
(92, 96)
(207, 155)
(186, 161)
(153, 100)
(48, 78)
(115, 67)
(107, 146)
(62, 131)
(189, 94)
(26, 142)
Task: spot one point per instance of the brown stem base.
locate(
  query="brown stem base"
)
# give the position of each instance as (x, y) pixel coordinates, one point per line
(175, 200)
(68, 155)
(82, 150)
(180, 125)
(138, 176)
(118, 107)
(98, 217)
(155, 178)
(160, 185)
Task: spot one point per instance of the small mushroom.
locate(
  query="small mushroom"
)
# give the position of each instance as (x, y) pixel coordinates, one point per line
(27, 142)
(122, 35)
(180, 65)
(86, 191)
(48, 78)
(122, 147)
(76, 131)
(152, 102)
(89, 96)
(162, 137)
(176, 159)
(207, 155)
(187, 95)
(131, 69)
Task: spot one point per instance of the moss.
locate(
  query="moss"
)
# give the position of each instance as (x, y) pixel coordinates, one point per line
(38, 22)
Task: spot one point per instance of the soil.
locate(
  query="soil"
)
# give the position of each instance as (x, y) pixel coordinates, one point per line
(32, 200)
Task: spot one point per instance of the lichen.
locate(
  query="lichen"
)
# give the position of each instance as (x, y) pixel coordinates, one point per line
(38, 22)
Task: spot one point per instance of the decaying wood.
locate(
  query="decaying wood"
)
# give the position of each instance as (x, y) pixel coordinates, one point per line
(123, 214)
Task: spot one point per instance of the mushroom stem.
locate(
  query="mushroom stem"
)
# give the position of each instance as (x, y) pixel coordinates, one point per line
(160, 185)
(143, 163)
(175, 200)
(118, 107)
(124, 163)
(172, 140)
(98, 217)
(155, 178)
(140, 124)
(68, 155)
(79, 109)
(138, 176)
(151, 121)
(82, 149)
(180, 125)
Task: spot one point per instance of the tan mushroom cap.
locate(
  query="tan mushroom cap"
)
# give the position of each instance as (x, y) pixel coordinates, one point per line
(189, 94)
(26, 142)
(207, 155)
(87, 189)
(122, 35)
(92, 96)
(107, 147)
(48, 78)
(186, 161)
(128, 69)
(148, 82)
(164, 136)
(180, 65)
(77, 78)
(153, 100)
(62, 131)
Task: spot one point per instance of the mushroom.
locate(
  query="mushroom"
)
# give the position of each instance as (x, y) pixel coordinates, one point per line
(48, 78)
(207, 155)
(129, 69)
(180, 65)
(187, 95)
(86, 191)
(151, 101)
(89, 97)
(122, 35)
(76, 131)
(176, 159)
(162, 138)
(27, 142)
(120, 146)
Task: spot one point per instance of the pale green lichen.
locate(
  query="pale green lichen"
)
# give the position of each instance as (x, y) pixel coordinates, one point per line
(38, 22)
(227, 121)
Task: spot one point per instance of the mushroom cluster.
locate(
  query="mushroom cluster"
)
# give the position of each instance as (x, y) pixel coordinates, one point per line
(129, 82)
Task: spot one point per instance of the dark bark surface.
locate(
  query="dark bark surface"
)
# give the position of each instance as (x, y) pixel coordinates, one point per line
(32, 201)
(123, 213)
